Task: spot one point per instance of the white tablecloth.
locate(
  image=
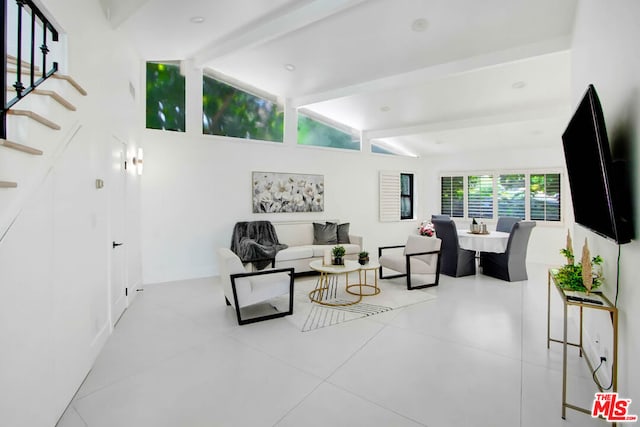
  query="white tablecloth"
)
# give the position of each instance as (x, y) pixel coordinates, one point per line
(495, 241)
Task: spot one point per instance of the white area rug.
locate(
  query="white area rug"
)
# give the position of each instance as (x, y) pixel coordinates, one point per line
(308, 315)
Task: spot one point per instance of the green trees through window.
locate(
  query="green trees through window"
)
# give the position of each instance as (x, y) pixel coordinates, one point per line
(232, 112)
(452, 196)
(316, 133)
(510, 194)
(480, 196)
(165, 97)
(545, 197)
(228, 111)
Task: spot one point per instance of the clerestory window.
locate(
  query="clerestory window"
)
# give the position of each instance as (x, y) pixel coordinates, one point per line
(165, 97)
(313, 130)
(234, 112)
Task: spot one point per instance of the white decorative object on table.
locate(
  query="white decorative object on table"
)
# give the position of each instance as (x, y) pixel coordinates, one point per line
(496, 241)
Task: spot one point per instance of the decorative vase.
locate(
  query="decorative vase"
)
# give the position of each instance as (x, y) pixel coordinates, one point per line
(338, 261)
(363, 261)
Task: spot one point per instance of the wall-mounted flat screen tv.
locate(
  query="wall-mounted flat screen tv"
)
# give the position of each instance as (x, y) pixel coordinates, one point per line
(598, 187)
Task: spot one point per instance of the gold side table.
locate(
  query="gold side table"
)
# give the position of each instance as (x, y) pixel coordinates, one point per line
(327, 285)
(357, 288)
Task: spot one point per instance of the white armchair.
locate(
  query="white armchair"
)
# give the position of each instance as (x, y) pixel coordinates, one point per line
(421, 256)
(243, 288)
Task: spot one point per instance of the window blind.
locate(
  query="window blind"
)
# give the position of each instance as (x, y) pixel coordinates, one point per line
(511, 195)
(544, 197)
(480, 199)
(389, 196)
(452, 196)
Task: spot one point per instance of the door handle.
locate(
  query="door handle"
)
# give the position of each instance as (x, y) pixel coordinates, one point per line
(115, 245)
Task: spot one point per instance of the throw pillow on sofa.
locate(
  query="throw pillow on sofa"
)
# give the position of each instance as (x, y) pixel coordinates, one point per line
(343, 232)
(325, 234)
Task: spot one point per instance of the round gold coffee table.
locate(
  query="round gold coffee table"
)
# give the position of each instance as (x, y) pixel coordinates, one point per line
(357, 289)
(327, 285)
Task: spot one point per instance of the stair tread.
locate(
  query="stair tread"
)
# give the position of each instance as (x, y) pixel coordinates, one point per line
(20, 147)
(57, 97)
(71, 81)
(35, 116)
(13, 60)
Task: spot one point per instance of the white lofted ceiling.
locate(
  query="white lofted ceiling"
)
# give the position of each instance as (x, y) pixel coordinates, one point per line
(420, 76)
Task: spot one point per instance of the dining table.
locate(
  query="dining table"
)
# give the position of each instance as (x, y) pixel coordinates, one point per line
(491, 241)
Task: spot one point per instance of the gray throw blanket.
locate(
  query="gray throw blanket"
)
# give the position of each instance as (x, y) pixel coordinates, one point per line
(255, 242)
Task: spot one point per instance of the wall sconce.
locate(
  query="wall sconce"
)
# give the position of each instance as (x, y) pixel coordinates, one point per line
(137, 161)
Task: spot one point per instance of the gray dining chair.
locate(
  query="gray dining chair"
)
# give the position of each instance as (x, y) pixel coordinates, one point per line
(505, 223)
(454, 260)
(510, 265)
(445, 217)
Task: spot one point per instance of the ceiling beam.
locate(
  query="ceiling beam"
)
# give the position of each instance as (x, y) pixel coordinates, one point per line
(440, 71)
(118, 11)
(522, 115)
(283, 21)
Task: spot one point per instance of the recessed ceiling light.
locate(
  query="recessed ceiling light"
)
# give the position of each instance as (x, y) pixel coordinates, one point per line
(385, 108)
(289, 67)
(419, 25)
(518, 85)
(197, 19)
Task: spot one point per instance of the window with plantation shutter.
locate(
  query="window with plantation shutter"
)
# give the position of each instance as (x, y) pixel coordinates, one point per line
(452, 196)
(389, 196)
(396, 196)
(534, 196)
(510, 193)
(544, 197)
(480, 196)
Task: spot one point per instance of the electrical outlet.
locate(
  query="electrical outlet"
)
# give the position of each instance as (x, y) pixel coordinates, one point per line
(597, 345)
(606, 353)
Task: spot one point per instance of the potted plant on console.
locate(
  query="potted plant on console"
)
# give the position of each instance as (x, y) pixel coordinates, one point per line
(338, 255)
(582, 277)
(363, 257)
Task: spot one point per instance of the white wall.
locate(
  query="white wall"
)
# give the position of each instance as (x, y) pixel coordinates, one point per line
(605, 53)
(54, 260)
(195, 188)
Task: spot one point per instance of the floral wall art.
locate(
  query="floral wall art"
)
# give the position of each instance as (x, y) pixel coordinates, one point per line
(275, 192)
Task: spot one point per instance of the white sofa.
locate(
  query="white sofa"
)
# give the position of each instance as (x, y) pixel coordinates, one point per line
(298, 235)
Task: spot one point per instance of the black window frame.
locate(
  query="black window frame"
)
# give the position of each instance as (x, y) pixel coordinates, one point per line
(409, 195)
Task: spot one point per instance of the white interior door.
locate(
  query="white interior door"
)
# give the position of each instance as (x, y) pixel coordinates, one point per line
(117, 189)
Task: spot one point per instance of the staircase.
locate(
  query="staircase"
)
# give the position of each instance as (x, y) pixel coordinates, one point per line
(38, 105)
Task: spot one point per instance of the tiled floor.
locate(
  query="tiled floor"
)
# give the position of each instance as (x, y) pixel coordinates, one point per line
(475, 356)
